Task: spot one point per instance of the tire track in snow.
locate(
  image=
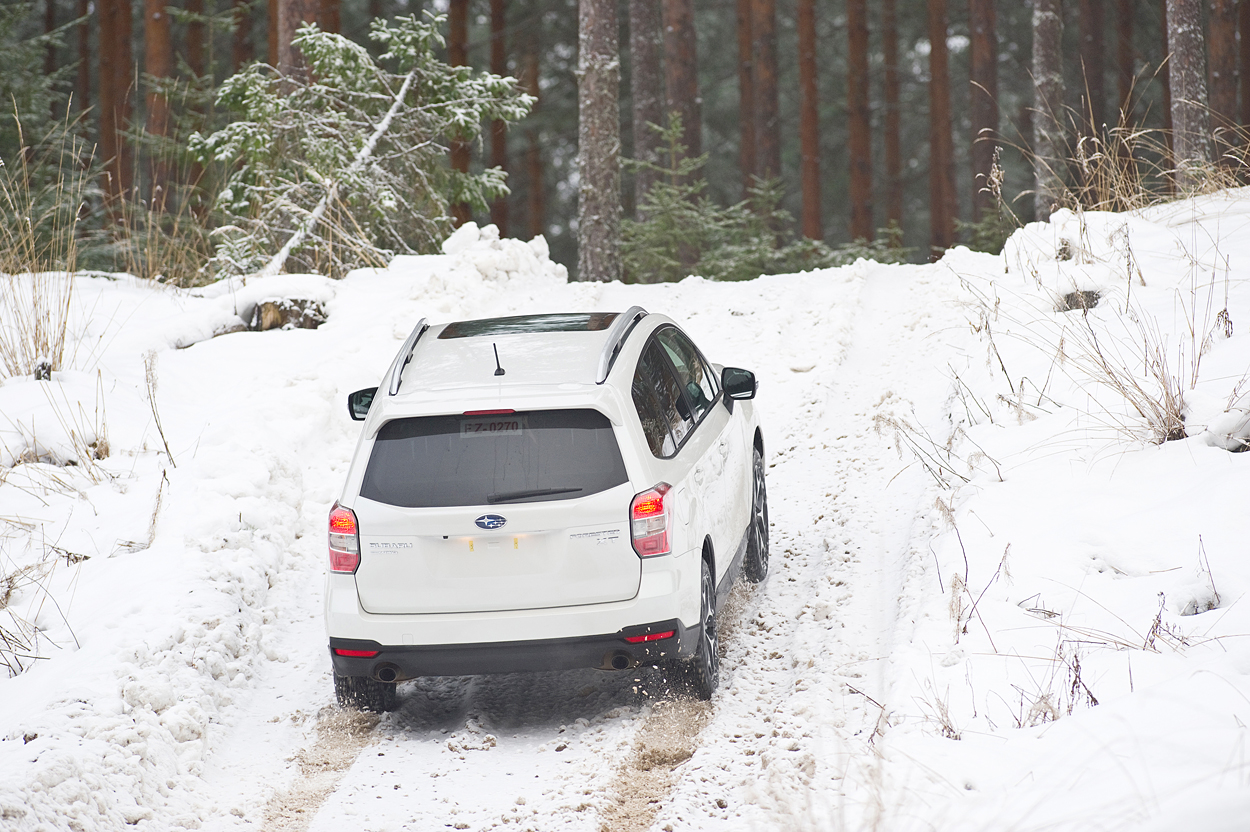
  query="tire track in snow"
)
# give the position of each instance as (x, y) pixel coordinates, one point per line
(794, 740)
(341, 736)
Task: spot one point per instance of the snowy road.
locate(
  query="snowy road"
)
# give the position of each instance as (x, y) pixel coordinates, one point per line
(791, 734)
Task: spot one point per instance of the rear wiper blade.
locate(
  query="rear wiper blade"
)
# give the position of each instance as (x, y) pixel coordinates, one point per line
(535, 492)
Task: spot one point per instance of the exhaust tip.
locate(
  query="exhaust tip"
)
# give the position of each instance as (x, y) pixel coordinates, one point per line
(622, 661)
(386, 673)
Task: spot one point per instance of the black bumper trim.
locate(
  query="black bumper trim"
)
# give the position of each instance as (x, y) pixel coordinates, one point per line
(606, 652)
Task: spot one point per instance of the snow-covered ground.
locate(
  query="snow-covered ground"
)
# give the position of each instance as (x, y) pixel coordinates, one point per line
(995, 602)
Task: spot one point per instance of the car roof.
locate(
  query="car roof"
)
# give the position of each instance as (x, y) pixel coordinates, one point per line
(549, 349)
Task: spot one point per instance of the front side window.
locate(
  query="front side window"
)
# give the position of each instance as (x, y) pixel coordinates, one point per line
(692, 372)
(673, 407)
(497, 459)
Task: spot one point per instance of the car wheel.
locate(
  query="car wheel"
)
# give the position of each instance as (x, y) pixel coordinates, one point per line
(364, 694)
(756, 566)
(703, 671)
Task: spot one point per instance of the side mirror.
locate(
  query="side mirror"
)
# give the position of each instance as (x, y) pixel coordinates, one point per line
(358, 403)
(738, 383)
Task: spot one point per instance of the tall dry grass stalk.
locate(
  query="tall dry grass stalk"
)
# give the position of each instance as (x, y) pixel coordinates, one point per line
(39, 217)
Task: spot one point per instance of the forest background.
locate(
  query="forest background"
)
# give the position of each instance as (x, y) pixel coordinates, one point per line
(810, 132)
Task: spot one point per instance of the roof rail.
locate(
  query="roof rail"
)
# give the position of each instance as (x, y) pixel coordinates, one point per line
(619, 331)
(405, 355)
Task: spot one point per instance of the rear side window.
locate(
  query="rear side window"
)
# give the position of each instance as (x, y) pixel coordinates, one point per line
(534, 456)
(654, 426)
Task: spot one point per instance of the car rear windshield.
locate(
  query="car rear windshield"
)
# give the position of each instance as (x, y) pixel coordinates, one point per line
(493, 459)
(521, 324)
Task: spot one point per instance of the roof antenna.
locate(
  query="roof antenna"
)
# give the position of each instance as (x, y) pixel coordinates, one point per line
(498, 368)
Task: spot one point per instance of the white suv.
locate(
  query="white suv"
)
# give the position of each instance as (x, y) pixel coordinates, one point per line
(543, 492)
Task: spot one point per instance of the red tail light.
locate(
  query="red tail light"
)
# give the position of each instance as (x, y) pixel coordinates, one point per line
(650, 637)
(355, 654)
(648, 522)
(344, 540)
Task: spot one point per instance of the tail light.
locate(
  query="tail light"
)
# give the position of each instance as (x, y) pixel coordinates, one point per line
(643, 639)
(648, 522)
(344, 540)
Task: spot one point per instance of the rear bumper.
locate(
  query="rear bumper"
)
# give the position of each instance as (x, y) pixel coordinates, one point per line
(394, 663)
(669, 589)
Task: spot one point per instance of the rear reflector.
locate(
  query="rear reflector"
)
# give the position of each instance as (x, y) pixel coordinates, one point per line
(649, 637)
(356, 654)
(648, 521)
(344, 540)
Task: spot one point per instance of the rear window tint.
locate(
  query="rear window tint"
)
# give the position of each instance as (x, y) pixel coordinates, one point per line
(525, 457)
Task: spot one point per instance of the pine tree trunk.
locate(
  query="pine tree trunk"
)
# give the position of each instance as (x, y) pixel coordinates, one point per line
(858, 117)
(943, 207)
(764, 77)
(115, 110)
(1093, 93)
(499, 128)
(1243, 31)
(1165, 79)
(272, 27)
(1125, 61)
(1222, 43)
(241, 42)
(681, 72)
(1048, 140)
(645, 53)
(330, 16)
(107, 10)
(1191, 131)
(809, 124)
(158, 63)
(599, 142)
(195, 38)
(458, 55)
(292, 14)
(746, 98)
(82, 87)
(535, 187)
(1126, 77)
(893, 126)
(983, 97)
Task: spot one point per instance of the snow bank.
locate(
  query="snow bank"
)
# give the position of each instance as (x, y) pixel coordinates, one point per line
(1083, 627)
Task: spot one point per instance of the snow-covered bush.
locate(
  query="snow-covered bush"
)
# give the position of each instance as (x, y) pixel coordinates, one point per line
(351, 163)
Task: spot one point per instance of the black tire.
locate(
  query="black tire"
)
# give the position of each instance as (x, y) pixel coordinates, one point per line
(702, 672)
(756, 562)
(364, 694)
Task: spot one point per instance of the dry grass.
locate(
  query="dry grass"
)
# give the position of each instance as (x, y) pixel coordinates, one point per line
(38, 253)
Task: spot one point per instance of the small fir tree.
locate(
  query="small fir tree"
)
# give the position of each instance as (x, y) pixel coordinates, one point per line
(684, 232)
(349, 167)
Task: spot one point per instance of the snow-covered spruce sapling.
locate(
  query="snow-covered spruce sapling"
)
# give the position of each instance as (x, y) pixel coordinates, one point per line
(352, 162)
(681, 231)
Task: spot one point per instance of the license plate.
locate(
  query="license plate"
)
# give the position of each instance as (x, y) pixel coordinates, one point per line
(493, 426)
